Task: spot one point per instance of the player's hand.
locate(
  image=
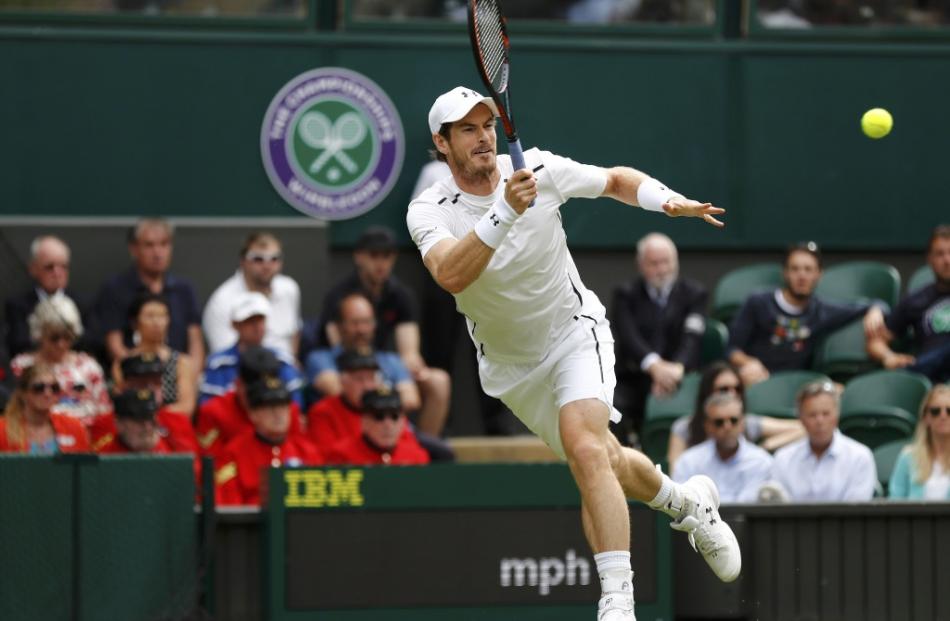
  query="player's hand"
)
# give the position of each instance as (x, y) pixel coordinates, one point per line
(521, 190)
(687, 208)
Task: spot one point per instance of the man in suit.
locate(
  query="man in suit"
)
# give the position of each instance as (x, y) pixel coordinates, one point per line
(659, 321)
(49, 268)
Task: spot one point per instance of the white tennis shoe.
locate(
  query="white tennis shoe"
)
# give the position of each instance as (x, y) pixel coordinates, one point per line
(708, 533)
(616, 603)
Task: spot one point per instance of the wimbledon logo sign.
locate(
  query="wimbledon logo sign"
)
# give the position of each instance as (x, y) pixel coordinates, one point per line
(332, 143)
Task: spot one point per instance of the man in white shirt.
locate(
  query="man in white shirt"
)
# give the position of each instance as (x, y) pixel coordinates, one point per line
(738, 467)
(825, 466)
(542, 338)
(261, 262)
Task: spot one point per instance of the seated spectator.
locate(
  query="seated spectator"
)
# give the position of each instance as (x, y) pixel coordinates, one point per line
(55, 325)
(137, 430)
(270, 442)
(150, 246)
(149, 316)
(721, 378)
(144, 372)
(385, 438)
(258, 271)
(777, 330)
(397, 328)
(29, 424)
(223, 418)
(357, 327)
(49, 268)
(825, 466)
(658, 320)
(738, 467)
(924, 313)
(249, 317)
(922, 471)
(337, 418)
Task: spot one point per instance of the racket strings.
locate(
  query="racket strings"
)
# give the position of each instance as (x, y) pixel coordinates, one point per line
(491, 39)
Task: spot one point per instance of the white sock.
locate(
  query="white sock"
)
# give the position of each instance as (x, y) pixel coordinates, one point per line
(669, 499)
(615, 573)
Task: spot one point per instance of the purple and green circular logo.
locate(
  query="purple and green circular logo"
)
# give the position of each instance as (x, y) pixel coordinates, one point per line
(332, 143)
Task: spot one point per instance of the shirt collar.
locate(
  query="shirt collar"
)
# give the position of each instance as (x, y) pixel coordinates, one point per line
(786, 307)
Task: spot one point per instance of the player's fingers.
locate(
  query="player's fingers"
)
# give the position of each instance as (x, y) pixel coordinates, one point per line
(521, 175)
(711, 220)
(713, 210)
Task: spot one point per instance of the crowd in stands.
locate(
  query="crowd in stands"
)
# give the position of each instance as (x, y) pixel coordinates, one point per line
(141, 369)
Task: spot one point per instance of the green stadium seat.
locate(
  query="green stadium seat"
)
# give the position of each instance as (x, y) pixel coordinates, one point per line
(715, 340)
(735, 286)
(881, 407)
(660, 415)
(921, 277)
(885, 458)
(776, 395)
(861, 280)
(842, 355)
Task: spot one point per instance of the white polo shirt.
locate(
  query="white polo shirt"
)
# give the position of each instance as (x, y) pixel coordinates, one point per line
(845, 472)
(738, 478)
(530, 291)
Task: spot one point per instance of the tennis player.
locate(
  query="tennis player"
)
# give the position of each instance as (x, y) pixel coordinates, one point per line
(543, 342)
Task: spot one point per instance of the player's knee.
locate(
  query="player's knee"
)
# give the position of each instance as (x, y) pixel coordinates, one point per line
(586, 452)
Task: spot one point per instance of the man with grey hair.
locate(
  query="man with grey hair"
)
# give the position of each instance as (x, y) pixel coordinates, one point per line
(738, 467)
(49, 269)
(150, 246)
(658, 320)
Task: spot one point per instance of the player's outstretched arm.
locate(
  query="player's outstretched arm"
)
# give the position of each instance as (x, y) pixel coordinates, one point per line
(634, 187)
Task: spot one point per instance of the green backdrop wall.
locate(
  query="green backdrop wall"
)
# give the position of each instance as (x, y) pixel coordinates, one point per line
(142, 121)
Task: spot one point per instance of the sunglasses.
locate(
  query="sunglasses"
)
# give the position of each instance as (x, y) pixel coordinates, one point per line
(936, 410)
(38, 388)
(818, 388)
(256, 257)
(719, 423)
(381, 416)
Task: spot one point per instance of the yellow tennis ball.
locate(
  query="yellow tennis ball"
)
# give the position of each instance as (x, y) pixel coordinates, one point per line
(877, 123)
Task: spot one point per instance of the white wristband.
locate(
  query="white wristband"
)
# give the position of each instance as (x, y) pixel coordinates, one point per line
(494, 225)
(652, 194)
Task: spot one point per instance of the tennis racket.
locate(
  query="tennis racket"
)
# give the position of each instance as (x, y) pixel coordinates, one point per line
(486, 27)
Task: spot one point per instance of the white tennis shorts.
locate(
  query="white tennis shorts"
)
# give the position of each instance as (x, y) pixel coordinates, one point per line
(579, 366)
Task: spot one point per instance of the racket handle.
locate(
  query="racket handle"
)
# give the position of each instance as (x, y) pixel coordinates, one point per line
(517, 157)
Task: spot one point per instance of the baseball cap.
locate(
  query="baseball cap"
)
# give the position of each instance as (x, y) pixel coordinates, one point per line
(267, 390)
(381, 400)
(140, 365)
(135, 404)
(256, 362)
(356, 360)
(250, 304)
(455, 104)
(377, 239)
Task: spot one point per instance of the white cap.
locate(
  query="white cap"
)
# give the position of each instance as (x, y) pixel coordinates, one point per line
(249, 305)
(455, 104)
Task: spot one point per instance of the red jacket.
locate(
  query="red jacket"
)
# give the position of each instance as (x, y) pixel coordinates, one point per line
(237, 473)
(222, 419)
(331, 421)
(177, 433)
(71, 436)
(356, 451)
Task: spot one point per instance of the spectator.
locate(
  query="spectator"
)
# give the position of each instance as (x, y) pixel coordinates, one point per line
(258, 271)
(137, 430)
(385, 438)
(250, 314)
(658, 321)
(925, 313)
(223, 418)
(397, 328)
(49, 268)
(922, 471)
(29, 424)
(720, 377)
(825, 466)
(55, 324)
(738, 467)
(777, 330)
(270, 442)
(149, 316)
(150, 246)
(357, 327)
(337, 418)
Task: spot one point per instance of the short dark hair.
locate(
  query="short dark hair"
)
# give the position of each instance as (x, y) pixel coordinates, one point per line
(941, 231)
(444, 131)
(147, 298)
(806, 246)
(258, 238)
(132, 235)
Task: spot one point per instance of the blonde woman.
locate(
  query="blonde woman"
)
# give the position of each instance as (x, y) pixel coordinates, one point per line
(29, 424)
(922, 471)
(54, 327)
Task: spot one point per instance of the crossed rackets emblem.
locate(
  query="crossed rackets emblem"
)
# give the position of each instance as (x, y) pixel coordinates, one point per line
(318, 132)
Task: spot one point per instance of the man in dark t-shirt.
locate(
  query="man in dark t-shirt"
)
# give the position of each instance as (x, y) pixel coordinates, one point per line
(923, 314)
